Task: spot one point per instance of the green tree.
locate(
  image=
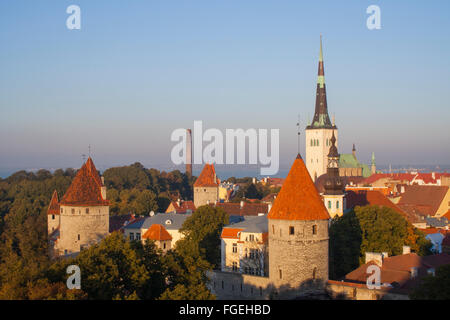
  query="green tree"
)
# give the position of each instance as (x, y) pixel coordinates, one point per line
(434, 287)
(370, 229)
(203, 230)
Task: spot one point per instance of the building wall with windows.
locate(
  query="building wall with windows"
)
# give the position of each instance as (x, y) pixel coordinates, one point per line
(247, 254)
(81, 227)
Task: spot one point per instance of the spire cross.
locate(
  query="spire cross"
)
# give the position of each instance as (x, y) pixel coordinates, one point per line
(298, 134)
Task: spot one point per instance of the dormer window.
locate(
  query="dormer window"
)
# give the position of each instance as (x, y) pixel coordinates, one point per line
(168, 221)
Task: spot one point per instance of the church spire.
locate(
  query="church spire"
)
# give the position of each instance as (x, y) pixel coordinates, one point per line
(321, 118)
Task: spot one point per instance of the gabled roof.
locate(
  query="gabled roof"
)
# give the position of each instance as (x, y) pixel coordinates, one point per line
(157, 232)
(207, 177)
(424, 196)
(247, 209)
(53, 207)
(182, 206)
(230, 233)
(85, 189)
(370, 197)
(298, 198)
(171, 221)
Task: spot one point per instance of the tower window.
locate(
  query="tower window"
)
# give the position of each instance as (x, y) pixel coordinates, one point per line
(291, 230)
(53, 217)
(73, 211)
(87, 210)
(78, 237)
(234, 247)
(61, 210)
(164, 245)
(281, 274)
(337, 204)
(314, 229)
(273, 229)
(329, 204)
(314, 274)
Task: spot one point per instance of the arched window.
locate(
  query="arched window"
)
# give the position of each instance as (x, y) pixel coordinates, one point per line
(314, 274)
(337, 204)
(329, 204)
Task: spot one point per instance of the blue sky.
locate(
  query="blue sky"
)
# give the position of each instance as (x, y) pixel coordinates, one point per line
(137, 70)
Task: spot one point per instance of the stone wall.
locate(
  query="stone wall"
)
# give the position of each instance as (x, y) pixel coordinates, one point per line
(298, 262)
(203, 195)
(52, 222)
(236, 286)
(80, 228)
(354, 291)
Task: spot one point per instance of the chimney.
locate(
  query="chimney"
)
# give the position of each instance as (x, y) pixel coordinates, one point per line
(376, 257)
(179, 202)
(406, 249)
(189, 152)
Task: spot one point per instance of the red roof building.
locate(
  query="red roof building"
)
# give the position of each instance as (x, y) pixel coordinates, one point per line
(85, 189)
(298, 198)
(53, 208)
(181, 206)
(157, 232)
(207, 177)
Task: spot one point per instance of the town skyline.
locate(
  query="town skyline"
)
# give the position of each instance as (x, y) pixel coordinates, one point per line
(124, 92)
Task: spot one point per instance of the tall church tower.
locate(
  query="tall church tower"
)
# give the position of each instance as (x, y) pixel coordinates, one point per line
(333, 196)
(319, 131)
(298, 236)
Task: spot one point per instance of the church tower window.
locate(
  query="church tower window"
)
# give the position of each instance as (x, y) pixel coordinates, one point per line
(337, 204)
(314, 229)
(329, 204)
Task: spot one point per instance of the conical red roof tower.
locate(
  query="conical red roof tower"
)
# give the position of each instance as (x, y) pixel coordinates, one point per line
(85, 189)
(298, 198)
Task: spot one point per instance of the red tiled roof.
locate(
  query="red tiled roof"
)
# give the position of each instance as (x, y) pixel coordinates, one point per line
(183, 207)
(298, 198)
(85, 189)
(230, 233)
(157, 232)
(370, 197)
(248, 209)
(426, 198)
(393, 176)
(207, 177)
(118, 222)
(53, 207)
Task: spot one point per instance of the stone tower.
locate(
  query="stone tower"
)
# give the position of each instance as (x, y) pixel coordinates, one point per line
(83, 212)
(333, 196)
(319, 131)
(206, 187)
(53, 214)
(298, 236)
